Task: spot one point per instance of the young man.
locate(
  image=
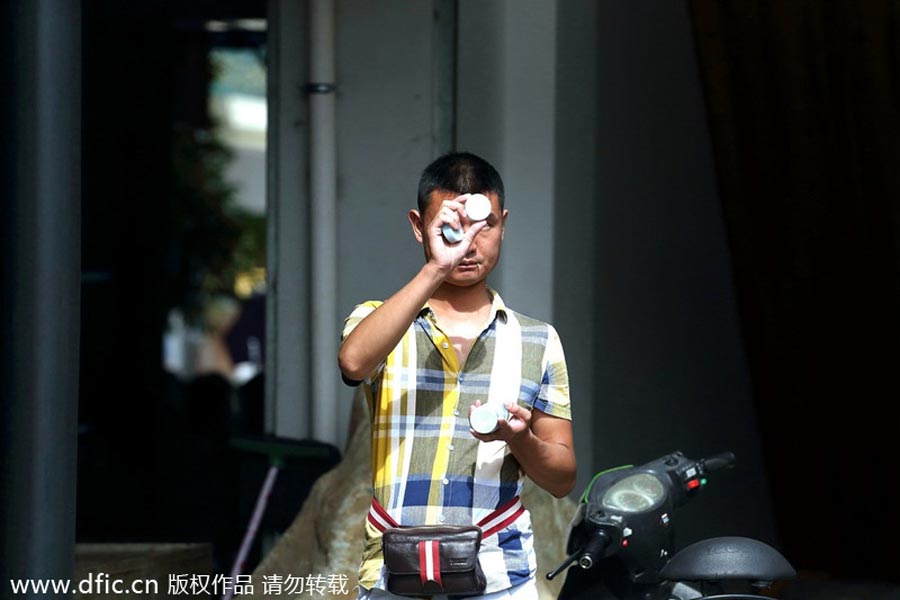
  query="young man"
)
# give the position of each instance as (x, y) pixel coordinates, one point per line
(440, 346)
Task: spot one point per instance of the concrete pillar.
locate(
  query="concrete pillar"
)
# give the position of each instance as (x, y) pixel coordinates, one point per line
(41, 249)
(506, 112)
(288, 409)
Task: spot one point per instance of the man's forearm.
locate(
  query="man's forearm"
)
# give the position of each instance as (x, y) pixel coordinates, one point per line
(549, 464)
(376, 335)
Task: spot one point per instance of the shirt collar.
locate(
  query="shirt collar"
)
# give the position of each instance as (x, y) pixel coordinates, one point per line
(498, 308)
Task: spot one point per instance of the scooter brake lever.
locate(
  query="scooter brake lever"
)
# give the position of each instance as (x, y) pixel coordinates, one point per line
(565, 564)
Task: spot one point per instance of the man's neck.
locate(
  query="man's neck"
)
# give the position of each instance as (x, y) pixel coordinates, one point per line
(461, 314)
(449, 299)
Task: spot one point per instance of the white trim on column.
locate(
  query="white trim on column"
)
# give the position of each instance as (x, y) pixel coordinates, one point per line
(287, 313)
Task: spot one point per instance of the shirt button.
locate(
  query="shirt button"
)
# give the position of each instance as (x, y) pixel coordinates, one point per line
(445, 345)
(441, 518)
(445, 481)
(450, 447)
(456, 412)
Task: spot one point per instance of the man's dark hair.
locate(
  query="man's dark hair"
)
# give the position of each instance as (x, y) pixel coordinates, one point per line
(461, 173)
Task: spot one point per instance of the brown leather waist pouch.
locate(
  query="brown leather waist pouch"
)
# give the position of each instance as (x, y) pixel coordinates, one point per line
(422, 561)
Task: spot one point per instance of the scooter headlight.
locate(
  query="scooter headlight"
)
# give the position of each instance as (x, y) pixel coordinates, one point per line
(635, 494)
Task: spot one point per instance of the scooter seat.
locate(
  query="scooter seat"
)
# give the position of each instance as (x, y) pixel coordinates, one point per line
(728, 558)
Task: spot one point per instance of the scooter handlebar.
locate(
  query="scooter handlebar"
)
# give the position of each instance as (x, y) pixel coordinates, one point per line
(594, 550)
(586, 556)
(725, 460)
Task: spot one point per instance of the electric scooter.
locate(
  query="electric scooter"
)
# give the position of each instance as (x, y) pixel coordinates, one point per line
(622, 540)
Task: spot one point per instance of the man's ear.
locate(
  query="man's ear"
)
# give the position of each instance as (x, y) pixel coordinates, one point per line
(415, 219)
(503, 223)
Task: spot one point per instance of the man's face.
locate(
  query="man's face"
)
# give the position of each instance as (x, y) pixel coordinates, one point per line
(484, 252)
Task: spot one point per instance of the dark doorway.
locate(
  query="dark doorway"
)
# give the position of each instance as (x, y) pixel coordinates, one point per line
(173, 246)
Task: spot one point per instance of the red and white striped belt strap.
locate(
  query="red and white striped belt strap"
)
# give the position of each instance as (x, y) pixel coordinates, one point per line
(491, 524)
(430, 562)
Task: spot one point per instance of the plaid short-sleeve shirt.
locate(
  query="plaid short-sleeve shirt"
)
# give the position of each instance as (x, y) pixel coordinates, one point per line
(427, 467)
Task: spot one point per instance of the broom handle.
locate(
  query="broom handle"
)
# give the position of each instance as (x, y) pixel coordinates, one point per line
(261, 501)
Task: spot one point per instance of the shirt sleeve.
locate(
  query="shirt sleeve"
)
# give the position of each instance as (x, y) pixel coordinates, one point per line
(553, 398)
(360, 312)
